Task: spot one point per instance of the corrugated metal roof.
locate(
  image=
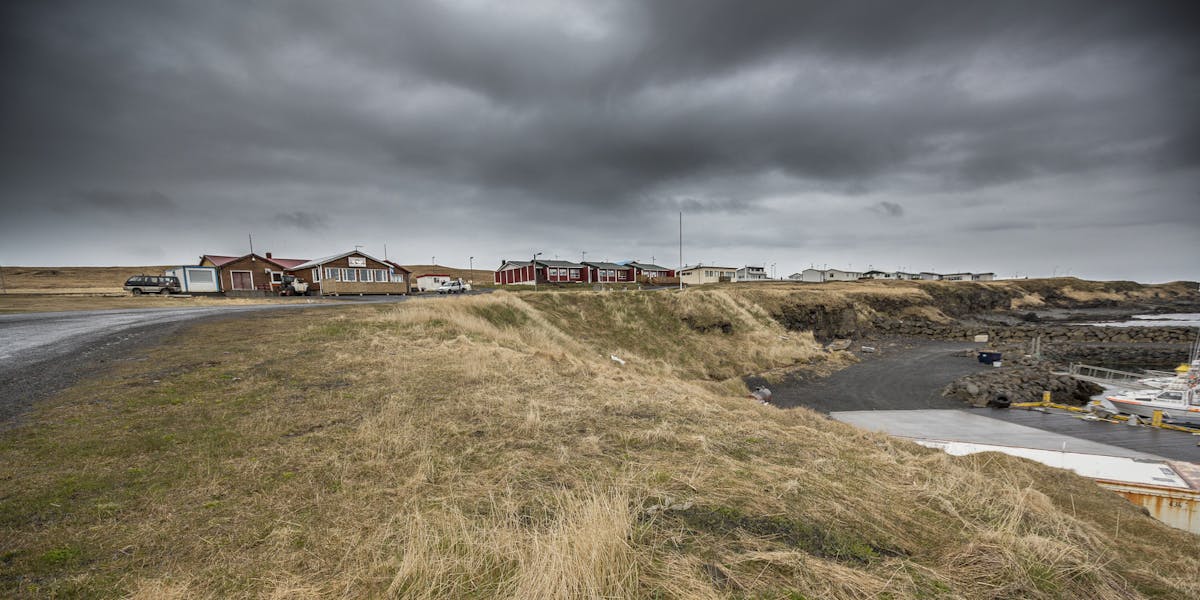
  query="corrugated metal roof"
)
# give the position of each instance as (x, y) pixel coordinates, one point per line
(605, 265)
(219, 260)
(648, 267)
(321, 261)
(560, 263)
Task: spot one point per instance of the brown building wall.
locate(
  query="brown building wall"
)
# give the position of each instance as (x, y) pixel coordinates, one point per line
(258, 268)
(329, 286)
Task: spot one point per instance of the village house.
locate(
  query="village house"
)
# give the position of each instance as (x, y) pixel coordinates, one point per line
(249, 272)
(545, 271)
(702, 274)
(749, 273)
(649, 272)
(820, 275)
(606, 272)
(430, 282)
(352, 273)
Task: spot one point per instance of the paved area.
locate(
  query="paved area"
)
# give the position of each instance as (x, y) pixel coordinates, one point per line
(908, 375)
(975, 427)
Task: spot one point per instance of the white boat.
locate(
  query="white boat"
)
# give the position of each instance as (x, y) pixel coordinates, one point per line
(1178, 399)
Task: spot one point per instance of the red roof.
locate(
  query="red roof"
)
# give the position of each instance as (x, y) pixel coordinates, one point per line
(284, 263)
(289, 263)
(219, 260)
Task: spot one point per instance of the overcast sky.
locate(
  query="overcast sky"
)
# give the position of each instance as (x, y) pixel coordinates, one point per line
(1025, 138)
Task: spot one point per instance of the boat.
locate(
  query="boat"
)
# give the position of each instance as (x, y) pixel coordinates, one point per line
(1177, 397)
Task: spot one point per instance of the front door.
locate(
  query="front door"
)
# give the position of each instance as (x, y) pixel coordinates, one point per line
(241, 280)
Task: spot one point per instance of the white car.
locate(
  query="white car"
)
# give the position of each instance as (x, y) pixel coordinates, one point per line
(454, 286)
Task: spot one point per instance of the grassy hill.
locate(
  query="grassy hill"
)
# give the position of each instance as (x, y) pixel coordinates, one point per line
(488, 446)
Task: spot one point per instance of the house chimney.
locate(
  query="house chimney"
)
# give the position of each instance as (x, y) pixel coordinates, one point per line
(269, 255)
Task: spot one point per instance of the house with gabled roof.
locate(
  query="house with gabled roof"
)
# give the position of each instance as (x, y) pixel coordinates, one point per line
(607, 272)
(542, 271)
(649, 271)
(249, 272)
(352, 273)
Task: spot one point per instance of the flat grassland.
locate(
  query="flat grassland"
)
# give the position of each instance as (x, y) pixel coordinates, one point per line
(488, 446)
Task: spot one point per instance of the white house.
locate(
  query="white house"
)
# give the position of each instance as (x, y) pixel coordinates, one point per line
(701, 274)
(749, 273)
(819, 275)
(431, 281)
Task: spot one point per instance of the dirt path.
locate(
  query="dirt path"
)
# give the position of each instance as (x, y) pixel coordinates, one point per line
(903, 374)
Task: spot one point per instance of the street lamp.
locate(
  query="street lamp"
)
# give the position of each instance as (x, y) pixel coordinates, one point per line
(533, 264)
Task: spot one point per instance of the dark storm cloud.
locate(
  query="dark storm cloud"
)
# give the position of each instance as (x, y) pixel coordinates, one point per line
(520, 119)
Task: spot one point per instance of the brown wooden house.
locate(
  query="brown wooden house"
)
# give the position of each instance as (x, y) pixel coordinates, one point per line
(249, 272)
(352, 273)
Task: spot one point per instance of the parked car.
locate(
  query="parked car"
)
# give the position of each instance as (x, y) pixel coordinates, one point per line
(150, 284)
(454, 286)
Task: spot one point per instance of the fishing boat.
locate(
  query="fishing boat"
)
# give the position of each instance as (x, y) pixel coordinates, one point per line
(1177, 397)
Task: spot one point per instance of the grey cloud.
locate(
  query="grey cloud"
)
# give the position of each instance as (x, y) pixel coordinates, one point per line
(121, 203)
(303, 220)
(889, 209)
(525, 119)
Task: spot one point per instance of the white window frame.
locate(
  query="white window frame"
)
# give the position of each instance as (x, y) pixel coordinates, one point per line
(381, 275)
(348, 275)
(231, 272)
(366, 275)
(316, 274)
(276, 276)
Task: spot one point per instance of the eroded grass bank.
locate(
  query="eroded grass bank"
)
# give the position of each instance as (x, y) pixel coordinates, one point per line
(489, 447)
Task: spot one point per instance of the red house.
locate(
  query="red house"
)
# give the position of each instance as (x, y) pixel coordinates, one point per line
(606, 272)
(545, 271)
(649, 271)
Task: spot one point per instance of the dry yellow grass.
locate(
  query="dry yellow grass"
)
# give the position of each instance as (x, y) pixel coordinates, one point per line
(483, 447)
(71, 279)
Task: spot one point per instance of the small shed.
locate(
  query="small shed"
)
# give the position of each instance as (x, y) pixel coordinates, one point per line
(196, 280)
(429, 282)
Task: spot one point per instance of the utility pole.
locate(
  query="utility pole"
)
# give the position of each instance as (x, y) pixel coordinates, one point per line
(2, 288)
(471, 269)
(533, 264)
(582, 255)
(385, 252)
(250, 236)
(679, 273)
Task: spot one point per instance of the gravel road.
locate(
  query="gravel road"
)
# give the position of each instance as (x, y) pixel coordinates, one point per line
(42, 353)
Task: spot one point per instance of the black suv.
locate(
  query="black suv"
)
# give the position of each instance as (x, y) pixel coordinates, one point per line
(149, 284)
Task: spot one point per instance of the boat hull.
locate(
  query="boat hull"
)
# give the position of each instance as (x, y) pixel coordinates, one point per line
(1142, 408)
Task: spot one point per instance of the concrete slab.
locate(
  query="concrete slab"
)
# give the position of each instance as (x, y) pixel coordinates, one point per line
(964, 426)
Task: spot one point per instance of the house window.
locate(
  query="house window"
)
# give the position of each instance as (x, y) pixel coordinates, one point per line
(316, 275)
(364, 275)
(348, 275)
(276, 277)
(381, 275)
(397, 277)
(574, 273)
(334, 274)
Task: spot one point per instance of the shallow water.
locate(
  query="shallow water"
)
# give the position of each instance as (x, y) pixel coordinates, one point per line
(1163, 320)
